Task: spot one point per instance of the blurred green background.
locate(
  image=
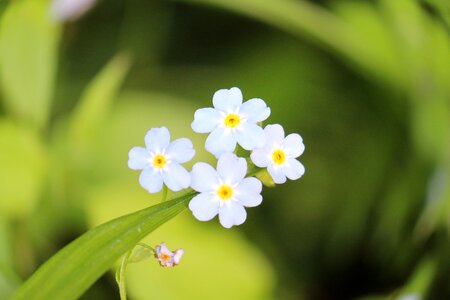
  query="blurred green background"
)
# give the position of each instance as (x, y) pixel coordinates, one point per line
(366, 84)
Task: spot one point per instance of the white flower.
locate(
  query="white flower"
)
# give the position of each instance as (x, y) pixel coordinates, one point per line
(225, 191)
(279, 154)
(231, 121)
(160, 161)
(166, 257)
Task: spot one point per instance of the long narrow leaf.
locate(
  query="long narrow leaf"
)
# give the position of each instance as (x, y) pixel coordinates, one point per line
(308, 20)
(29, 42)
(95, 104)
(76, 267)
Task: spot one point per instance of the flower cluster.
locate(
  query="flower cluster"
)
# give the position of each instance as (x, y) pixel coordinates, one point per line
(226, 189)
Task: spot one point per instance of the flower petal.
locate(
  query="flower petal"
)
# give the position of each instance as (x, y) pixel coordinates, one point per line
(293, 145)
(274, 134)
(231, 169)
(227, 100)
(204, 207)
(220, 141)
(177, 257)
(205, 120)
(232, 214)
(180, 150)
(203, 177)
(293, 169)
(176, 177)
(163, 249)
(277, 174)
(250, 136)
(151, 180)
(138, 158)
(157, 139)
(248, 192)
(260, 157)
(255, 110)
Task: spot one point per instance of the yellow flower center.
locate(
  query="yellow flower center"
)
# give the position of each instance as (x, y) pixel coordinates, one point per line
(278, 156)
(159, 161)
(165, 257)
(232, 120)
(225, 192)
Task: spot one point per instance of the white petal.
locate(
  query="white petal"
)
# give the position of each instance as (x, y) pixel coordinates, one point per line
(203, 177)
(255, 110)
(293, 169)
(260, 157)
(138, 158)
(274, 134)
(251, 136)
(232, 214)
(277, 174)
(204, 207)
(227, 100)
(164, 250)
(231, 169)
(205, 120)
(176, 177)
(293, 145)
(177, 257)
(220, 141)
(180, 150)
(248, 192)
(157, 139)
(151, 180)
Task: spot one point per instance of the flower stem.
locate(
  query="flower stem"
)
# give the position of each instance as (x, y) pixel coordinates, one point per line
(120, 275)
(164, 194)
(251, 168)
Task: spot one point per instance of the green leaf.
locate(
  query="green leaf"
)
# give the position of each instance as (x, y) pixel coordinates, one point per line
(140, 253)
(422, 278)
(442, 7)
(311, 21)
(77, 266)
(9, 282)
(24, 162)
(95, 104)
(28, 56)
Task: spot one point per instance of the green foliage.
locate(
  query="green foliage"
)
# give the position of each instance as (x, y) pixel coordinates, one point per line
(70, 272)
(366, 83)
(28, 57)
(9, 282)
(90, 115)
(24, 164)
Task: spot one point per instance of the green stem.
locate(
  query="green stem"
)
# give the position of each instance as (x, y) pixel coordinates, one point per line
(120, 274)
(164, 195)
(251, 168)
(121, 281)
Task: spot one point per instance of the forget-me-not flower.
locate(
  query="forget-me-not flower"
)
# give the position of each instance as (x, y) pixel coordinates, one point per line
(225, 191)
(166, 257)
(160, 161)
(231, 122)
(279, 154)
